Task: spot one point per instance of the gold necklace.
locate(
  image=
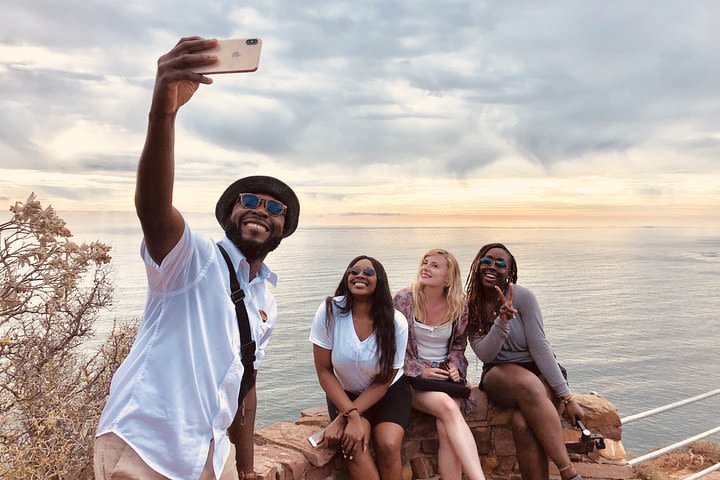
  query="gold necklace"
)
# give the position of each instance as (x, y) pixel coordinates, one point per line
(493, 308)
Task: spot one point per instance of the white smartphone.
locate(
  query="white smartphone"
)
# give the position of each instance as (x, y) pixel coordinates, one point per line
(315, 438)
(234, 55)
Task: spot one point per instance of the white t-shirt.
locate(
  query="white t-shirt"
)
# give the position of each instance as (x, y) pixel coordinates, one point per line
(178, 388)
(355, 362)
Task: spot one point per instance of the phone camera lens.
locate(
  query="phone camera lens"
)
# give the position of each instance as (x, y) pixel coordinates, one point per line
(251, 41)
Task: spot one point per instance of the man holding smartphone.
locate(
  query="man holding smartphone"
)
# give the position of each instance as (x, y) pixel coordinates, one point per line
(174, 409)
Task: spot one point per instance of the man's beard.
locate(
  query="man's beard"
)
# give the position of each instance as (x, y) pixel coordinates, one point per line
(252, 249)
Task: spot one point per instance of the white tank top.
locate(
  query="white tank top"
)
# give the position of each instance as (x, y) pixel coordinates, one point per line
(432, 342)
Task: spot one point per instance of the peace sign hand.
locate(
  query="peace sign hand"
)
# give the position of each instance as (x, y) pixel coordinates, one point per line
(507, 311)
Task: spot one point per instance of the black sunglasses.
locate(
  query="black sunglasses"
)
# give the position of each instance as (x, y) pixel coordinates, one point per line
(487, 261)
(252, 201)
(367, 271)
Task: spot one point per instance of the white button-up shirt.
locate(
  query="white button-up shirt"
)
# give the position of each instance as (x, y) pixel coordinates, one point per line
(178, 388)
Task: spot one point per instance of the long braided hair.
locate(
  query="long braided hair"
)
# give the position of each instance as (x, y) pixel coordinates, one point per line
(479, 321)
(383, 313)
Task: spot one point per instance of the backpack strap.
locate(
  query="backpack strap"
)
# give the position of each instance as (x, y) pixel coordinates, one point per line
(247, 344)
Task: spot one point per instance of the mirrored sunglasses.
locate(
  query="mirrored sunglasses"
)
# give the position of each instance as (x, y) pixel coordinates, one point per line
(252, 201)
(367, 271)
(486, 261)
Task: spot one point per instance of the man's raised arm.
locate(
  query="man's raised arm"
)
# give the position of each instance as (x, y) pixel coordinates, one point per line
(175, 84)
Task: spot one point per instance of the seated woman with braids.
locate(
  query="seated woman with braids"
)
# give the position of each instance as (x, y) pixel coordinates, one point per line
(359, 342)
(520, 371)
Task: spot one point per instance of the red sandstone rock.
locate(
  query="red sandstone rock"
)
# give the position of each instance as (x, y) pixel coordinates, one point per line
(411, 447)
(318, 422)
(421, 426)
(292, 463)
(598, 471)
(489, 464)
(265, 466)
(500, 416)
(430, 446)
(599, 411)
(613, 433)
(482, 440)
(284, 453)
(314, 412)
(480, 412)
(295, 437)
(321, 473)
(613, 450)
(507, 465)
(503, 441)
(407, 472)
(421, 467)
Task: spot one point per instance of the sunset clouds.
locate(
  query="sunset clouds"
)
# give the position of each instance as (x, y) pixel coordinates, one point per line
(379, 112)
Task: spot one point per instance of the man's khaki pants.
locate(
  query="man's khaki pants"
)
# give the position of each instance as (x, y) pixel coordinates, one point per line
(116, 460)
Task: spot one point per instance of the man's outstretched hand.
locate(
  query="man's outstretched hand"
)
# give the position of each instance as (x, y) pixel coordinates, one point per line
(176, 81)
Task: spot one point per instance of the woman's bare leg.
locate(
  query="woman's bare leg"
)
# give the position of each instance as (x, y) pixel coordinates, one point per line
(531, 457)
(387, 438)
(448, 462)
(512, 386)
(362, 466)
(447, 410)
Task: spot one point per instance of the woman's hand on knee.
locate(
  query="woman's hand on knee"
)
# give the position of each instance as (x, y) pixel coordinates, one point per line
(355, 438)
(334, 433)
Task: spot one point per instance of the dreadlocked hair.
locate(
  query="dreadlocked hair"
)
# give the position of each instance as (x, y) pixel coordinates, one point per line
(382, 311)
(478, 321)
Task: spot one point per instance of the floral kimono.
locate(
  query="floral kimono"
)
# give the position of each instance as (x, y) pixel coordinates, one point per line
(456, 349)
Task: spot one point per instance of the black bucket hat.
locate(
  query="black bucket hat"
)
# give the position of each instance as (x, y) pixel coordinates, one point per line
(260, 184)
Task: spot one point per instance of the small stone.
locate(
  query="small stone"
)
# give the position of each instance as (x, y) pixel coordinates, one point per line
(503, 441)
(421, 467)
(613, 450)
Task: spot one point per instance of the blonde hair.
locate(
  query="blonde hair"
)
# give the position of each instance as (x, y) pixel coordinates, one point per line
(454, 291)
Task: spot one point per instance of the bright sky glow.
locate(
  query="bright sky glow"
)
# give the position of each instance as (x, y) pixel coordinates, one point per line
(396, 114)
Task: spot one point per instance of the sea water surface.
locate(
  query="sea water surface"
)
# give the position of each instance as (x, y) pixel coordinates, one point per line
(632, 313)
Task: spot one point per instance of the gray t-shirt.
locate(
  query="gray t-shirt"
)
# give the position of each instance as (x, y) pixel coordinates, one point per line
(521, 339)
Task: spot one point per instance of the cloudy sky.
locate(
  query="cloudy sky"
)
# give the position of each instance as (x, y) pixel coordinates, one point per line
(380, 113)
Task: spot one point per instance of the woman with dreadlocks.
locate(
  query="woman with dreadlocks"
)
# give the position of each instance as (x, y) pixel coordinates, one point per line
(505, 331)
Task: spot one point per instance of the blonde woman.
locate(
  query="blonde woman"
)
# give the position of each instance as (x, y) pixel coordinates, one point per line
(437, 318)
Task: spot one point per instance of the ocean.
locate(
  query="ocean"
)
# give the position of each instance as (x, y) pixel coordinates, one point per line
(632, 313)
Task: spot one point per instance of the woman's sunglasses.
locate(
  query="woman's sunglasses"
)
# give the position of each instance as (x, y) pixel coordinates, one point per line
(487, 261)
(367, 271)
(252, 201)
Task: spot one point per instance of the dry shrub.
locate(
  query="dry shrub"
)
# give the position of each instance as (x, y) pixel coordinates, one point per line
(681, 463)
(646, 471)
(52, 388)
(705, 452)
